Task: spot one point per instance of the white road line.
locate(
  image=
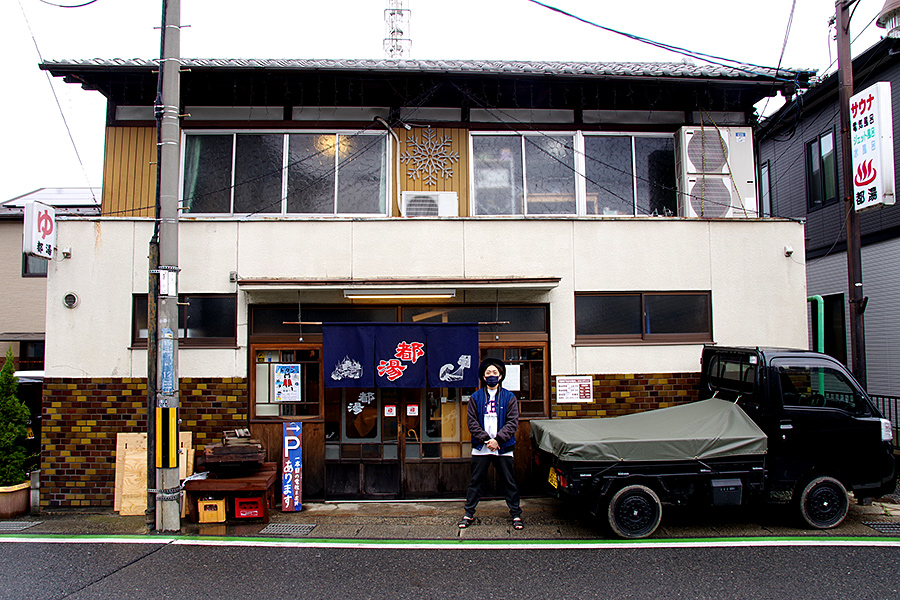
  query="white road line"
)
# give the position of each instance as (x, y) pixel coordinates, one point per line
(460, 545)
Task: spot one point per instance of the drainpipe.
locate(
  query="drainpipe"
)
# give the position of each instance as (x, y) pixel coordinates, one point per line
(819, 303)
(396, 139)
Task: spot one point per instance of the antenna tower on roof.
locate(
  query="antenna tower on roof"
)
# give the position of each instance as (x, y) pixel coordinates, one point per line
(396, 24)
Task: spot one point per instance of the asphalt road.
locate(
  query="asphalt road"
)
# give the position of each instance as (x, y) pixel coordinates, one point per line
(125, 571)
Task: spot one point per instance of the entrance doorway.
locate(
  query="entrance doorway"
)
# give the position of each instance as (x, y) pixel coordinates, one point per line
(395, 442)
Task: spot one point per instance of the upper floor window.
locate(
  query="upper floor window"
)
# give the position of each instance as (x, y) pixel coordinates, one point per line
(643, 317)
(573, 174)
(282, 173)
(33, 266)
(204, 320)
(765, 190)
(821, 171)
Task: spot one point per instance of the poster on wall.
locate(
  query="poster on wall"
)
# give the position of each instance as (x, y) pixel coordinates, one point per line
(292, 468)
(574, 389)
(287, 383)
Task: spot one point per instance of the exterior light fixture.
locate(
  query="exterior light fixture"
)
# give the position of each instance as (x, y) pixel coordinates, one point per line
(889, 18)
(400, 294)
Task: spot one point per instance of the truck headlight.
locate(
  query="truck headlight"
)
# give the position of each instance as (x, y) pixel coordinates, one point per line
(887, 431)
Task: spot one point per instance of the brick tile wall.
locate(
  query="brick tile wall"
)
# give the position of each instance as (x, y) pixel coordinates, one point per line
(622, 394)
(81, 418)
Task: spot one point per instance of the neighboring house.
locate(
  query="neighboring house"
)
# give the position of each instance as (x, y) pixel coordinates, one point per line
(23, 286)
(800, 173)
(549, 197)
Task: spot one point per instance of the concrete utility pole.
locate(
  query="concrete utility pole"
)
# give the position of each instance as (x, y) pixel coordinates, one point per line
(854, 256)
(165, 411)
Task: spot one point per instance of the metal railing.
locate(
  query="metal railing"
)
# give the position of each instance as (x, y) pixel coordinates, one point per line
(890, 408)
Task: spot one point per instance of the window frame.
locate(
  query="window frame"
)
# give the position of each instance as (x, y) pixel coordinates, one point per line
(26, 272)
(579, 169)
(644, 337)
(819, 183)
(185, 342)
(387, 158)
(765, 188)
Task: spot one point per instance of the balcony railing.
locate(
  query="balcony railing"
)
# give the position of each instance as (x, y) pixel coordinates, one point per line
(890, 408)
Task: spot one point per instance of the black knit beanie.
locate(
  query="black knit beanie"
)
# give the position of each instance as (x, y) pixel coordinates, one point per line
(487, 363)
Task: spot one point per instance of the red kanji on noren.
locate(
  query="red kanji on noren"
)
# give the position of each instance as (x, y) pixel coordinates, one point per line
(392, 369)
(411, 351)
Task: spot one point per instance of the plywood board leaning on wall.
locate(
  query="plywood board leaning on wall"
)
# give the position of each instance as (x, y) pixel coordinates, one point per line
(131, 470)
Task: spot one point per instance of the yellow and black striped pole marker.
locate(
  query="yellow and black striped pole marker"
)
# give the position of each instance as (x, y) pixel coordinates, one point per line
(166, 438)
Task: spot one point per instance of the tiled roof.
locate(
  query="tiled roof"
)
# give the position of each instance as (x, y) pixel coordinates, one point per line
(489, 67)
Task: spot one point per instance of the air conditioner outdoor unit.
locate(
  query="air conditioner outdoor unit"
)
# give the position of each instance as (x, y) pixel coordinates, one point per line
(713, 197)
(429, 204)
(716, 172)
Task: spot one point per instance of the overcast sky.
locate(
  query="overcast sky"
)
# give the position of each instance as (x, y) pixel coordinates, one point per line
(37, 151)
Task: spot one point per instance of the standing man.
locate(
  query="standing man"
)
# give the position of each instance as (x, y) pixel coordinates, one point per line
(493, 418)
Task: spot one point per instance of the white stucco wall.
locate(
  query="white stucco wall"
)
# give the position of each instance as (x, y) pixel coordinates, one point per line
(759, 295)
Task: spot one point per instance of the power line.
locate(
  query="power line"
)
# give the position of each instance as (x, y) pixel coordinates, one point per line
(711, 58)
(56, 98)
(69, 5)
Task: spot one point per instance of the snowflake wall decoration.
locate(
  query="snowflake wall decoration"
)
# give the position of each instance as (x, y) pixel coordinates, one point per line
(428, 157)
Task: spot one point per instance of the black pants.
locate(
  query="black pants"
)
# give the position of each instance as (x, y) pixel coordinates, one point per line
(504, 466)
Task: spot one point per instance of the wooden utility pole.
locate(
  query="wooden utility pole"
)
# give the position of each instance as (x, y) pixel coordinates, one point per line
(854, 256)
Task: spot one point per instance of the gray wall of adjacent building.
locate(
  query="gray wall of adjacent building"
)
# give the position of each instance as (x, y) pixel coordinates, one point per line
(881, 283)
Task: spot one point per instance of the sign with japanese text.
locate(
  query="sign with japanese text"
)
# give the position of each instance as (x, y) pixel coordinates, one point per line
(574, 389)
(39, 238)
(292, 468)
(872, 147)
(287, 383)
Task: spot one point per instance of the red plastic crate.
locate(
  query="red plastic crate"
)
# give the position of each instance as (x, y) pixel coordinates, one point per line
(248, 508)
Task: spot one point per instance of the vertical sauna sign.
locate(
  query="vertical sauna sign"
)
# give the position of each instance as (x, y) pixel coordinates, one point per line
(292, 467)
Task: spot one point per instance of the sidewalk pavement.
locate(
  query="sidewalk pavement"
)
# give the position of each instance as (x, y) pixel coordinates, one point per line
(545, 519)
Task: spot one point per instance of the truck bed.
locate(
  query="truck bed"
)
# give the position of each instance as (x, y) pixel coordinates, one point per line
(706, 430)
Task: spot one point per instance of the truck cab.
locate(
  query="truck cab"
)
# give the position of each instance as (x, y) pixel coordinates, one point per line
(819, 421)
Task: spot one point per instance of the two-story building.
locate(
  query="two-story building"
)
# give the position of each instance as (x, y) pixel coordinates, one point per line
(593, 219)
(801, 177)
(23, 288)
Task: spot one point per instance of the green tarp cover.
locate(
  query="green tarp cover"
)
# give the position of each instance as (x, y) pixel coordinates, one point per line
(701, 430)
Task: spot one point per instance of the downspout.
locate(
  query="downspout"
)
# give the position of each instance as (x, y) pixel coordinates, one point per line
(819, 302)
(397, 159)
(819, 317)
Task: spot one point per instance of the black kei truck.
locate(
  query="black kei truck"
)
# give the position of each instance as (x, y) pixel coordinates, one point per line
(777, 426)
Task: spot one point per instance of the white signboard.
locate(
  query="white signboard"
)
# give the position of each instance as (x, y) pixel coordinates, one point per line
(872, 147)
(40, 230)
(287, 383)
(579, 390)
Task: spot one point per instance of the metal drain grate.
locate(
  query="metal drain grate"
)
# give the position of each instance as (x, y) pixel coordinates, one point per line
(287, 529)
(6, 526)
(884, 527)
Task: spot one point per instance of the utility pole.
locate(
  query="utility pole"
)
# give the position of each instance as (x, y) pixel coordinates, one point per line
(163, 405)
(854, 256)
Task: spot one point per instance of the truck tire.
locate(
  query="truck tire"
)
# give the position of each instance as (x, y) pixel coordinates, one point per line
(634, 512)
(824, 503)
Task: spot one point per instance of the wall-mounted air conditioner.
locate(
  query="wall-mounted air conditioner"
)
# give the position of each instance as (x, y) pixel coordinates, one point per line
(716, 172)
(429, 204)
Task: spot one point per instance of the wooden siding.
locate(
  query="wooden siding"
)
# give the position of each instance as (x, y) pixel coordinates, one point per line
(458, 182)
(129, 172)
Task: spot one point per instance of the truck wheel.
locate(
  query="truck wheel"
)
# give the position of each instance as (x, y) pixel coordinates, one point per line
(634, 512)
(824, 503)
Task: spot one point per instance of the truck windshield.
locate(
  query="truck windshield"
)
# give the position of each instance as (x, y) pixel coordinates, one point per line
(814, 386)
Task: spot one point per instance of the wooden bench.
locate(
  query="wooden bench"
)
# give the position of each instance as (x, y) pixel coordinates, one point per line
(260, 484)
